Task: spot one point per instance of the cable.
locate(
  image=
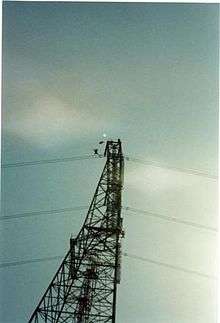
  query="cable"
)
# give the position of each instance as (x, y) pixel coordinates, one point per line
(135, 160)
(24, 262)
(171, 219)
(126, 208)
(47, 212)
(178, 169)
(49, 161)
(159, 263)
(155, 262)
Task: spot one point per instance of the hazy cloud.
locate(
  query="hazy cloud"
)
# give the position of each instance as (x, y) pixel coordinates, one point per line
(50, 121)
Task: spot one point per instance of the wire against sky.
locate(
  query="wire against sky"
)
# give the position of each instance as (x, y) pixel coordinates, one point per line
(126, 208)
(178, 169)
(46, 212)
(163, 264)
(128, 158)
(155, 262)
(170, 219)
(50, 161)
(30, 261)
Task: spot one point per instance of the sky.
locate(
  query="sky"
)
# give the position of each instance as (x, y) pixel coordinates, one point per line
(147, 74)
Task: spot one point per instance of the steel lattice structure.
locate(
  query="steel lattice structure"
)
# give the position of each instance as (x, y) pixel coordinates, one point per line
(84, 288)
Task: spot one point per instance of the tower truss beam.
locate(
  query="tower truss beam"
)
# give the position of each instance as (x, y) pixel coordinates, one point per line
(84, 287)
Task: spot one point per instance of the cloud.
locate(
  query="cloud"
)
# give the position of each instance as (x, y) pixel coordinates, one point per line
(153, 179)
(50, 121)
(170, 192)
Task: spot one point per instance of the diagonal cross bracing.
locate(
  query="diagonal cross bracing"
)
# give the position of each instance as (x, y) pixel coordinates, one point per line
(84, 288)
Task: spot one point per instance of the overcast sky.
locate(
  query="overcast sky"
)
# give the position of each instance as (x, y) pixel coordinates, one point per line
(145, 73)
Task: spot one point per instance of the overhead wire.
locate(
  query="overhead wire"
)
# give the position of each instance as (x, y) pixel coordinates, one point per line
(155, 262)
(178, 169)
(126, 208)
(50, 161)
(46, 212)
(170, 219)
(97, 156)
(30, 261)
(70, 159)
(174, 267)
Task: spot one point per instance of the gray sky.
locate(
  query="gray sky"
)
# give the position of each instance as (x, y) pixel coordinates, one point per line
(145, 73)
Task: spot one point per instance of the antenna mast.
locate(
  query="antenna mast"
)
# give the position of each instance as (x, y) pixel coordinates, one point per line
(84, 287)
